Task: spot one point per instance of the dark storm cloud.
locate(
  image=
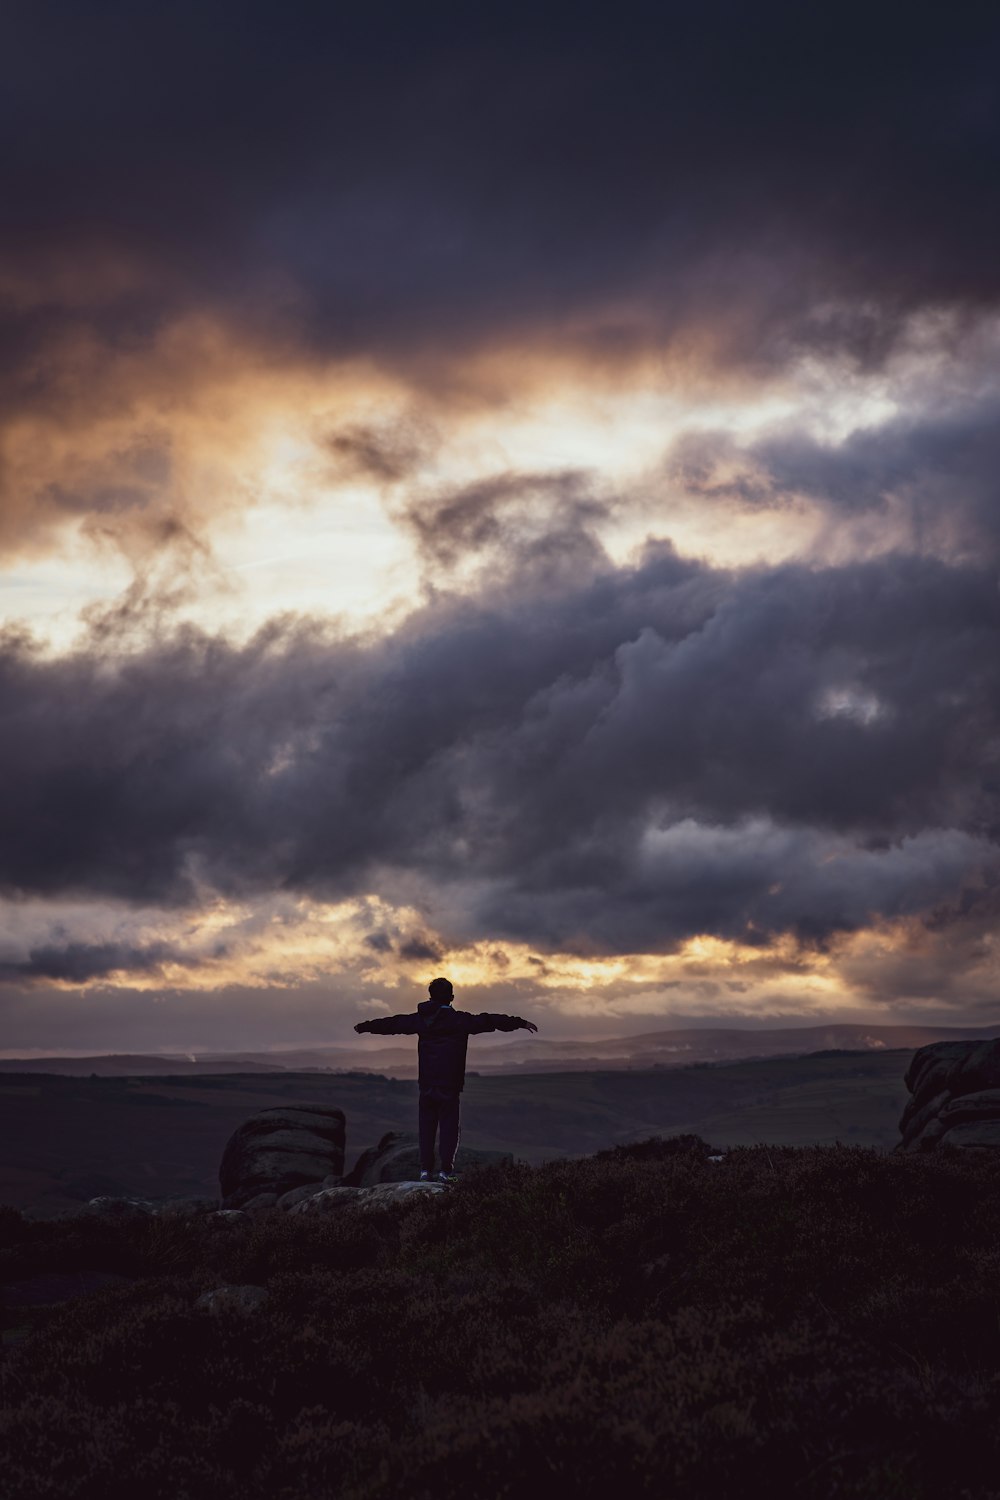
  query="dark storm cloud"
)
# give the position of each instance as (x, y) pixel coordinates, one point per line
(79, 963)
(539, 519)
(936, 471)
(601, 759)
(407, 180)
(386, 452)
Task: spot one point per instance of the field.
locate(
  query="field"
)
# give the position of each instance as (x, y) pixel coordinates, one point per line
(63, 1139)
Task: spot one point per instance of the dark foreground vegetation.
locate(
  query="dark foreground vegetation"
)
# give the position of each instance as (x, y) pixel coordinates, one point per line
(816, 1322)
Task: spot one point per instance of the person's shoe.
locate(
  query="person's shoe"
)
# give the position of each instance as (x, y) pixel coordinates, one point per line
(447, 1177)
(425, 1177)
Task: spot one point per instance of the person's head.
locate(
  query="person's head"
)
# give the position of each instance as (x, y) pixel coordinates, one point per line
(441, 991)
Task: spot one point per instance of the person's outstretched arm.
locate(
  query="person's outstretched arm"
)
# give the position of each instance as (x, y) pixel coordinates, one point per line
(489, 1022)
(390, 1026)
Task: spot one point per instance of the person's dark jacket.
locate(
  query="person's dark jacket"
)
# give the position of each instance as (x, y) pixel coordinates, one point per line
(443, 1039)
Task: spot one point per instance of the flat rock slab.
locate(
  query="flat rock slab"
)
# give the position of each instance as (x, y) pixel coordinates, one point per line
(383, 1195)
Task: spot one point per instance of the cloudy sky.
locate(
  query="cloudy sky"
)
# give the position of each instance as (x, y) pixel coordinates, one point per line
(509, 491)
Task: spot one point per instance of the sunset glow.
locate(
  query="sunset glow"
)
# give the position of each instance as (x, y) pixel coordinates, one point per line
(584, 586)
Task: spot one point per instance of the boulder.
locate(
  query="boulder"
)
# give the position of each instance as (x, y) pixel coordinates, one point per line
(914, 1121)
(974, 1133)
(186, 1208)
(982, 1105)
(281, 1149)
(396, 1158)
(929, 1066)
(925, 1139)
(261, 1203)
(955, 1103)
(228, 1218)
(119, 1208)
(325, 1200)
(240, 1299)
(299, 1195)
(959, 1067)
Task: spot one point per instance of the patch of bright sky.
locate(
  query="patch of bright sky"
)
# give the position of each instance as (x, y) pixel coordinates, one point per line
(302, 540)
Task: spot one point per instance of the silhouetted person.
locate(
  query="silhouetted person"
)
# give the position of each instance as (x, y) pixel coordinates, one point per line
(443, 1041)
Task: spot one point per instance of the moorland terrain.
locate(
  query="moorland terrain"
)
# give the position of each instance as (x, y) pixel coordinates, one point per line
(65, 1139)
(671, 1047)
(816, 1322)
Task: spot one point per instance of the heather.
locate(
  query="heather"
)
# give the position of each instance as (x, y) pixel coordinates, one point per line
(819, 1322)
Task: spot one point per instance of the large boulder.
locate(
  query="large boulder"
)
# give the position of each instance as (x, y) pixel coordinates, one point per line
(958, 1067)
(281, 1149)
(396, 1158)
(955, 1097)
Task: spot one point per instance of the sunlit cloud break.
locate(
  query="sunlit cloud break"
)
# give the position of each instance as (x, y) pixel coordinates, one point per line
(553, 546)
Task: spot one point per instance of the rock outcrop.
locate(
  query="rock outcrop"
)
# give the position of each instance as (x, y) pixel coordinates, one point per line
(281, 1149)
(396, 1158)
(239, 1299)
(955, 1098)
(382, 1195)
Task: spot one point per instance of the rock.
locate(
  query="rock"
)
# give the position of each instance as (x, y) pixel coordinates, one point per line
(228, 1218)
(955, 1102)
(120, 1208)
(929, 1066)
(299, 1195)
(396, 1158)
(261, 1203)
(186, 1208)
(281, 1149)
(326, 1200)
(241, 1299)
(973, 1134)
(926, 1139)
(381, 1195)
(384, 1194)
(913, 1121)
(959, 1067)
(908, 1120)
(983, 1105)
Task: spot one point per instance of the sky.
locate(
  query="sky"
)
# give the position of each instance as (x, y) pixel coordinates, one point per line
(510, 492)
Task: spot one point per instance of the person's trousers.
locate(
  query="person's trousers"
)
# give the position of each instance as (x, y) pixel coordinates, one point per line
(439, 1109)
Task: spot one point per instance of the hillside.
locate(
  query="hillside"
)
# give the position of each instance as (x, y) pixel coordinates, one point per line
(498, 1053)
(65, 1139)
(818, 1322)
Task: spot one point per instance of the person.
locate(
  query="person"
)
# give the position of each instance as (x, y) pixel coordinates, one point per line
(443, 1039)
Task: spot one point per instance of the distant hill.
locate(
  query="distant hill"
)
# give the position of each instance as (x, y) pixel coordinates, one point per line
(127, 1065)
(674, 1048)
(65, 1139)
